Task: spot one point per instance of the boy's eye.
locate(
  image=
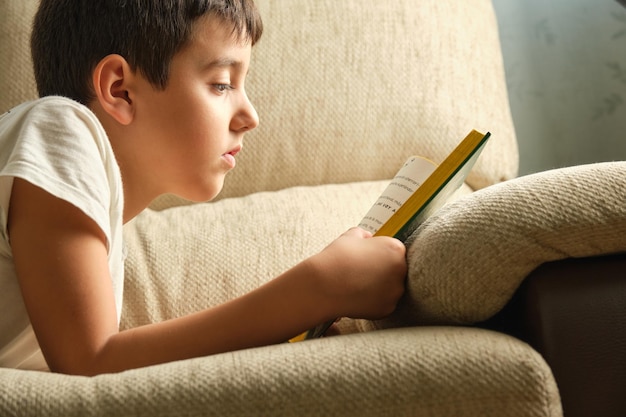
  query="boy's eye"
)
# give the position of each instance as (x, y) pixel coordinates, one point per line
(223, 87)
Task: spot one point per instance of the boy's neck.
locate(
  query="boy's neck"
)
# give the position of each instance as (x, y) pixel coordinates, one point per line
(136, 196)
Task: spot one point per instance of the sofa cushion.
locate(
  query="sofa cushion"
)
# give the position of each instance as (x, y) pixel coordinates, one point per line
(186, 258)
(416, 372)
(468, 259)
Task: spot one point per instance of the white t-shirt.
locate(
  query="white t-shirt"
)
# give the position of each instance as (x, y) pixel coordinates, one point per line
(60, 146)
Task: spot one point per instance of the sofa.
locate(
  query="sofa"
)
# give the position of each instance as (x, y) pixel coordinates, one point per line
(346, 91)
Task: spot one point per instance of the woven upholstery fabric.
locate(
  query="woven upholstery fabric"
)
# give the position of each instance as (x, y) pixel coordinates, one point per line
(401, 372)
(348, 90)
(467, 260)
(17, 83)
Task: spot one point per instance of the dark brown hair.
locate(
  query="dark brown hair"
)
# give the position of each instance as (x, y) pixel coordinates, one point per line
(70, 37)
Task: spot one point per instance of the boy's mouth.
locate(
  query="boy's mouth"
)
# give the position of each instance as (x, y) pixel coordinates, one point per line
(229, 156)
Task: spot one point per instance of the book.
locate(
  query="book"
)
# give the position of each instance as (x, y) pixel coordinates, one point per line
(418, 189)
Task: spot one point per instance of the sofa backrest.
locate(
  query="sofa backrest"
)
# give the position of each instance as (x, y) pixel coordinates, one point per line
(347, 90)
(17, 83)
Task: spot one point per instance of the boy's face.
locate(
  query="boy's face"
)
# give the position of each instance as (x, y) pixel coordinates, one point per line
(191, 131)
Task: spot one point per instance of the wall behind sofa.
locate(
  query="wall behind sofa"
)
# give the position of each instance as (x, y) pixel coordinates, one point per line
(565, 62)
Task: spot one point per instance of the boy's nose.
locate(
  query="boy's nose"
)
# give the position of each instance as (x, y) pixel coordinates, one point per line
(247, 118)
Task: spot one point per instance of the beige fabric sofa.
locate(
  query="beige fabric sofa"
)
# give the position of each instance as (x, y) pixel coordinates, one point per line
(346, 91)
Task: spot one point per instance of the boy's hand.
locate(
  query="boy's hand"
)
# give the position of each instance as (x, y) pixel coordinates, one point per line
(362, 276)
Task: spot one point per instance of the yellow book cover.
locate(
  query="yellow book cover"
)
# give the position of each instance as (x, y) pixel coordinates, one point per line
(418, 189)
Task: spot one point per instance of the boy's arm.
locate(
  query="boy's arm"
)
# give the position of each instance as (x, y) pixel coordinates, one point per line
(61, 262)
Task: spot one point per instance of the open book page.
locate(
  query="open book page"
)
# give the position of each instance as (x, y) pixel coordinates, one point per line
(435, 191)
(438, 199)
(408, 179)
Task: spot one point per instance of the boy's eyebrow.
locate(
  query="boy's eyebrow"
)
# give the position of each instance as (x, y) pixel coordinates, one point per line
(222, 63)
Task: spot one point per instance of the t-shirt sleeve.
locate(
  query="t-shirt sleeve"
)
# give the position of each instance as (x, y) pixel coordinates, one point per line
(60, 148)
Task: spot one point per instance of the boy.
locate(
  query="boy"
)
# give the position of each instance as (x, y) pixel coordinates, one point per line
(137, 120)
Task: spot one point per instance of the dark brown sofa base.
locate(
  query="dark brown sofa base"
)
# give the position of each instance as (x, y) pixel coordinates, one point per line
(573, 312)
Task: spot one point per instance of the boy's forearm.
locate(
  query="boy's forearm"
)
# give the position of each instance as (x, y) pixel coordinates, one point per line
(273, 313)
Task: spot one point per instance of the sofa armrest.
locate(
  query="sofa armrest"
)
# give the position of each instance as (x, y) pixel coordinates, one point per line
(469, 258)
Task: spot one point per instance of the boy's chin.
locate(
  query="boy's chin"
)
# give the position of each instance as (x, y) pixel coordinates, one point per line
(201, 191)
(204, 195)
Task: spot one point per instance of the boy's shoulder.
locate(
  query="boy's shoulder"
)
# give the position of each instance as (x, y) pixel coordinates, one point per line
(47, 111)
(49, 103)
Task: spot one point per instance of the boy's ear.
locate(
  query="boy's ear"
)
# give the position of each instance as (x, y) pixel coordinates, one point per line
(112, 82)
